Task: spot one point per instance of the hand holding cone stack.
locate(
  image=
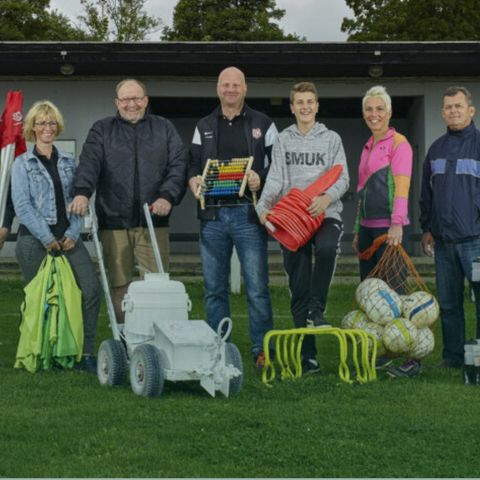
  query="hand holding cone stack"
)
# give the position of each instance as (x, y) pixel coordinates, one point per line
(289, 221)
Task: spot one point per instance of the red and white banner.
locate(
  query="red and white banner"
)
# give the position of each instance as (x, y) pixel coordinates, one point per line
(12, 142)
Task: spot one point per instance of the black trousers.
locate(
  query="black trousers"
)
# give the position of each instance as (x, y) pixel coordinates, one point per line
(366, 236)
(309, 284)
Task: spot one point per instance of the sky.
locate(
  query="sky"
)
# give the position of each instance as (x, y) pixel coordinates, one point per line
(317, 20)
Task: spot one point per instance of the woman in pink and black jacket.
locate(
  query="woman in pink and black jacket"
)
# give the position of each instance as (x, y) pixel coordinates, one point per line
(383, 184)
(383, 180)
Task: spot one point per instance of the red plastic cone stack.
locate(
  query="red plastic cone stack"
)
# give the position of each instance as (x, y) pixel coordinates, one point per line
(289, 222)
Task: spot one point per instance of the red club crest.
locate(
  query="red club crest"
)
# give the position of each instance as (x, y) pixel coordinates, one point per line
(256, 133)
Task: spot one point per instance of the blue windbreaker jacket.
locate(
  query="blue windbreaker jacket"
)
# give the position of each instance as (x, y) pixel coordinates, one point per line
(450, 196)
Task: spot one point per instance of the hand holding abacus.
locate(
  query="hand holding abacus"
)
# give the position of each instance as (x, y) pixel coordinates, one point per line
(253, 181)
(196, 185)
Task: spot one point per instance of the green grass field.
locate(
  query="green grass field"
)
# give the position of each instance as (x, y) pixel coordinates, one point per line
(63, 424)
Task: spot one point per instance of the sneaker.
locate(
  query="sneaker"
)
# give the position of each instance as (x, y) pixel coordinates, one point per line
(260, 360)
(310, 365)
(410, 368)
(87, 364)
(316, 319)
(382, 363)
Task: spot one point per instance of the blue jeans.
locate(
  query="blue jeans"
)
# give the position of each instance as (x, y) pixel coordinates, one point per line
(453, 263)
(217, 238)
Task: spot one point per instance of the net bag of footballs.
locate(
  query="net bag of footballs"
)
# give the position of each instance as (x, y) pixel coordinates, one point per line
(395, 305)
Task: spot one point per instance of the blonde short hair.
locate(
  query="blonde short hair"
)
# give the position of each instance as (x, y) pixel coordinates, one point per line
(380, 92)
(42, 110)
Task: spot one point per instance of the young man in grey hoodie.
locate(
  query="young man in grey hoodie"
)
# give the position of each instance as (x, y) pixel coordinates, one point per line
(302, 153)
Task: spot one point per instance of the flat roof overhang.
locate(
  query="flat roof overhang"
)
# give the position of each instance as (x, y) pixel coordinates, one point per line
(256, 59)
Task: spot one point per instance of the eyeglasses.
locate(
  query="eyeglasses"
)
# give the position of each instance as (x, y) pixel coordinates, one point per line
(43, 124)
(127, 100)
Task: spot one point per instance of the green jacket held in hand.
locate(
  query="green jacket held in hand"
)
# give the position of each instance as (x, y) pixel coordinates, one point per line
(51, 330)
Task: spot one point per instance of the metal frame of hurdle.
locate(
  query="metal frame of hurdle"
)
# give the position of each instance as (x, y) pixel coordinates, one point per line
(225, 178)
(288, 345)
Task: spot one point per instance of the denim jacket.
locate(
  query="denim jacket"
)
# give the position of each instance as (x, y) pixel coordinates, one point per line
(33, 195)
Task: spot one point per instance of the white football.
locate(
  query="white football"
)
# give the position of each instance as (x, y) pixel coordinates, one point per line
(376, 330)
(378, 301)
(399, 336)
(424, 344)
(354, 319)
(368, 285)
(421, 308)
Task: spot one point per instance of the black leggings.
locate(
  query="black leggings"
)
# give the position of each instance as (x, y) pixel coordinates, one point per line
(366, 237)
(309, 286)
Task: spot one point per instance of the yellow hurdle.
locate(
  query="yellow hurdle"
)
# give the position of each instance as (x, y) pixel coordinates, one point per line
(288, 346)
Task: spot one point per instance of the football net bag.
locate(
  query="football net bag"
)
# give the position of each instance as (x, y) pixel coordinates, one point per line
(394, 304)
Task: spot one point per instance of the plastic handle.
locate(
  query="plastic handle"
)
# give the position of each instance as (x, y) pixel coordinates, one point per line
(270, 226)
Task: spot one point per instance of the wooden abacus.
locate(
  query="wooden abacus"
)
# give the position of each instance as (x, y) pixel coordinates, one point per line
(224, 179)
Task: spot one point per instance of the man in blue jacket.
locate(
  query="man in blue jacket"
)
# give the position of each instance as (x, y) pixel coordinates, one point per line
(234, 130)
(450, 217)
(130, 159)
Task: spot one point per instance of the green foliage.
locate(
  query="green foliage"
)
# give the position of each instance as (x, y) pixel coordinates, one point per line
(117, 20)
(229, 20)
(413, 20)
(30, 20)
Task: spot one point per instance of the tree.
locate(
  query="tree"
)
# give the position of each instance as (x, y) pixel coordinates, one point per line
(22, 20)
(213, 20)
(119, 20)
(415, 20)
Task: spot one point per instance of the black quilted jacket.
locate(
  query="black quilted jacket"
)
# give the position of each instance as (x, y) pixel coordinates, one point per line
(130, 164)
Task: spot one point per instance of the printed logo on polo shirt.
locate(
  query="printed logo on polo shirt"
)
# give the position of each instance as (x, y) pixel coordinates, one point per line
(208, 135)
(256, 133)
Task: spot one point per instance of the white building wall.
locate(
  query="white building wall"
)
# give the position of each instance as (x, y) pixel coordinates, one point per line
(84, 100)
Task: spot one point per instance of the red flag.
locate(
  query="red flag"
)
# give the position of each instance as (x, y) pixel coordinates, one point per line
(11, 123)
(12, 143)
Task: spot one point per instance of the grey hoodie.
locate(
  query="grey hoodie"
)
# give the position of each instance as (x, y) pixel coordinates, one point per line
(298, 160)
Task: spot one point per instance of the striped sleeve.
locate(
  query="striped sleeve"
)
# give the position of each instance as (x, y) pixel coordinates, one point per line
(197, 139)
(195, 155)
(271, 135)
(401, 167)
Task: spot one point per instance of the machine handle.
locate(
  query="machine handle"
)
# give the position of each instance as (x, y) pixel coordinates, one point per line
(153, 238)
(93, 225)
(224, 321)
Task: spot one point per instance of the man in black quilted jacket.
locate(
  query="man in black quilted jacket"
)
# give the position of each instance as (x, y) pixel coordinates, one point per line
(129, 159)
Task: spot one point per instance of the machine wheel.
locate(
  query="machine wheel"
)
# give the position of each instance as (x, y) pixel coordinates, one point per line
(146, 371)
(233, 357)
(112, 363)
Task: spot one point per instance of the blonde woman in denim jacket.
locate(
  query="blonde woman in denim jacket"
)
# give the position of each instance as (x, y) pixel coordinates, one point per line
(41, 191)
